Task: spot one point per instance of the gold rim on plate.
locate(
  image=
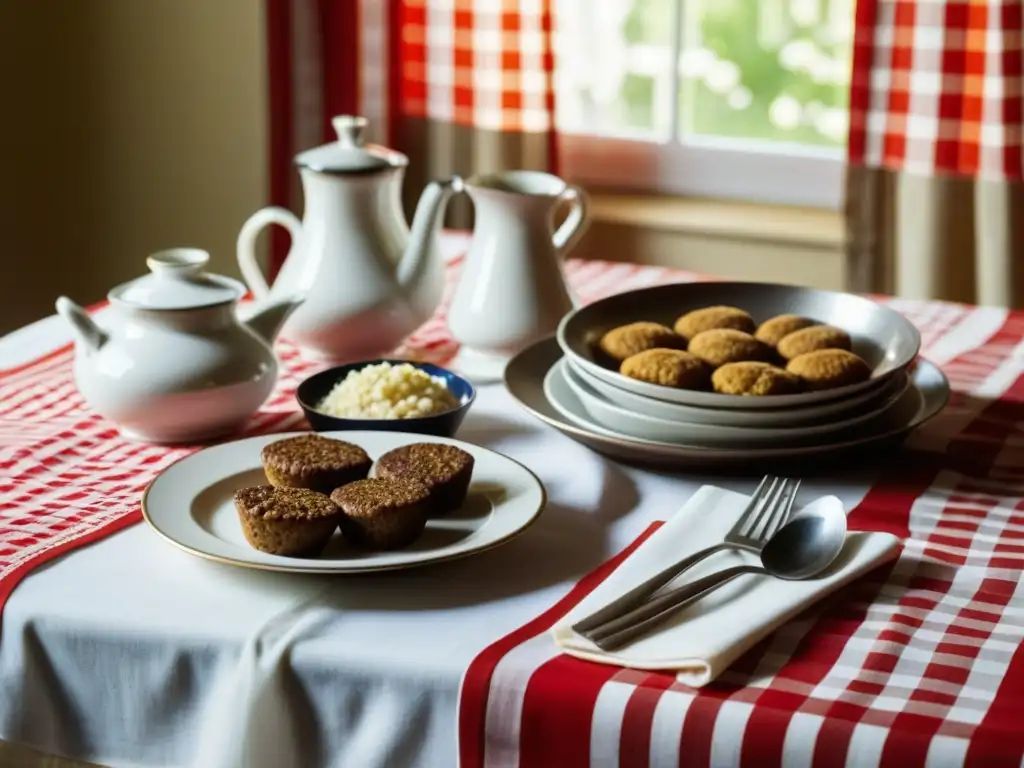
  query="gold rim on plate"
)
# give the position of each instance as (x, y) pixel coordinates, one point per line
(334, 571)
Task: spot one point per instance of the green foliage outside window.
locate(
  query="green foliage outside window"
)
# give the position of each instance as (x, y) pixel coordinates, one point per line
(774, 70)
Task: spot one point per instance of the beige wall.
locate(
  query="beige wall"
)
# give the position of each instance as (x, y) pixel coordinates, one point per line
(126, 126)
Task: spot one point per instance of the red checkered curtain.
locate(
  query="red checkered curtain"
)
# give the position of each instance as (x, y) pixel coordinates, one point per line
(314, 72)
(472, 87)
(935, 202)
(461, 86)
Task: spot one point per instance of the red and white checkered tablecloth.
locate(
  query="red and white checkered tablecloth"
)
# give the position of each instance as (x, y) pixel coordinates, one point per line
(68, 478)
(919, 662)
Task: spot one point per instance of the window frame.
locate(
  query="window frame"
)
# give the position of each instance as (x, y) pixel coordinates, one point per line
(704, 166)
(714, 168)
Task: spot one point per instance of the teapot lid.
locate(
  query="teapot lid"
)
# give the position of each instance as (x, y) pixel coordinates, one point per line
(348, 154)
(177, 281)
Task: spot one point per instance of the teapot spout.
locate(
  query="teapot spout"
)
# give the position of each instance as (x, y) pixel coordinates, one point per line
(421, 270)
(267, 318)
(88, 335)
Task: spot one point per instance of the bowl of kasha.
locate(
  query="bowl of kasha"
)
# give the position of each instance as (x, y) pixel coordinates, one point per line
(386, 395)
(738, 345)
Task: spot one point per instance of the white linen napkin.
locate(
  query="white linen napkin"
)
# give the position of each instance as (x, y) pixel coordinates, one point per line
(702, 640)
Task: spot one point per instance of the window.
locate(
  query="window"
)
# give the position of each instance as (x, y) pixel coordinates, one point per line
(741, 99)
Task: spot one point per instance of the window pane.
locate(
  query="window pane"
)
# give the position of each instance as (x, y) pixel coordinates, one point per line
(771, 70)
(614, 61)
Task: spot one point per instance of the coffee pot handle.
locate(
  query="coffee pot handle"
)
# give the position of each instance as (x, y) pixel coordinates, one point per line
(576, 223)
(246, 245)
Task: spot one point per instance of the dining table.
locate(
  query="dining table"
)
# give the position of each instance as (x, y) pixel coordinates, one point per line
(119, 649)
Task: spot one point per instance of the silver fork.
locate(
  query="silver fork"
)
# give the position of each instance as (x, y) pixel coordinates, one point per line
(639, 621)
(768, 510)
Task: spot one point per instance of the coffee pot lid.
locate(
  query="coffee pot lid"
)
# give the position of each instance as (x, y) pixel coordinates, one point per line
(348, 154)
(177, 281)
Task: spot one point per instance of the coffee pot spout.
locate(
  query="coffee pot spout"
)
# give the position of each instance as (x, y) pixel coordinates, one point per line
(421, 270)
(267, 317)
(88, 335)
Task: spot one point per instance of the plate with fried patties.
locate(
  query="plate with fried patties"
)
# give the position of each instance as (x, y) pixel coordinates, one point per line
(557, 406)
(815, 335)
(192, 505)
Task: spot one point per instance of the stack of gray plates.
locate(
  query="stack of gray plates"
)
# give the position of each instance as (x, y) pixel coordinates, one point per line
(563, 382)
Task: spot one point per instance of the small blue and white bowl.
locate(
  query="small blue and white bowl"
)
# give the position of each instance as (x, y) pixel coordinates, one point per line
(313, 390)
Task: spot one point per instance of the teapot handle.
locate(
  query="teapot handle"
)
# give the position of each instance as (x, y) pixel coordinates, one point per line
(575, 225)
(246, 246)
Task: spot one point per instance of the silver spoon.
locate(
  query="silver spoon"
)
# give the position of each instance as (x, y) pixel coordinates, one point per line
(801, 549)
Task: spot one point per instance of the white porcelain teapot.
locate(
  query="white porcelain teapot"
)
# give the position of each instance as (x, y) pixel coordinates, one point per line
(369, 279)
(173, 362)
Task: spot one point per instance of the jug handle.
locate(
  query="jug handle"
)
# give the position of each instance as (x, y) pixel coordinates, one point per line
(246, 246)
(576, 223)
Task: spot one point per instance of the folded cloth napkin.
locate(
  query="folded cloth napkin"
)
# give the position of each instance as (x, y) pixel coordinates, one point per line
(703, 639)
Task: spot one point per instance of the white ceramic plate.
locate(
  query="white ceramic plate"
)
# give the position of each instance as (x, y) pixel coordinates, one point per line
(626, 422)
(525, 374)
(191, 505)
(564, 400)
(814, 413)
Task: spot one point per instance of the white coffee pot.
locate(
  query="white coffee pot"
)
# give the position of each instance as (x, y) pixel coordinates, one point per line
(369, 279)
(172, 362)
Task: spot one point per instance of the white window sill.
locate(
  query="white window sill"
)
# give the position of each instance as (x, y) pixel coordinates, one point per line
(720, 169)
(776, 224)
